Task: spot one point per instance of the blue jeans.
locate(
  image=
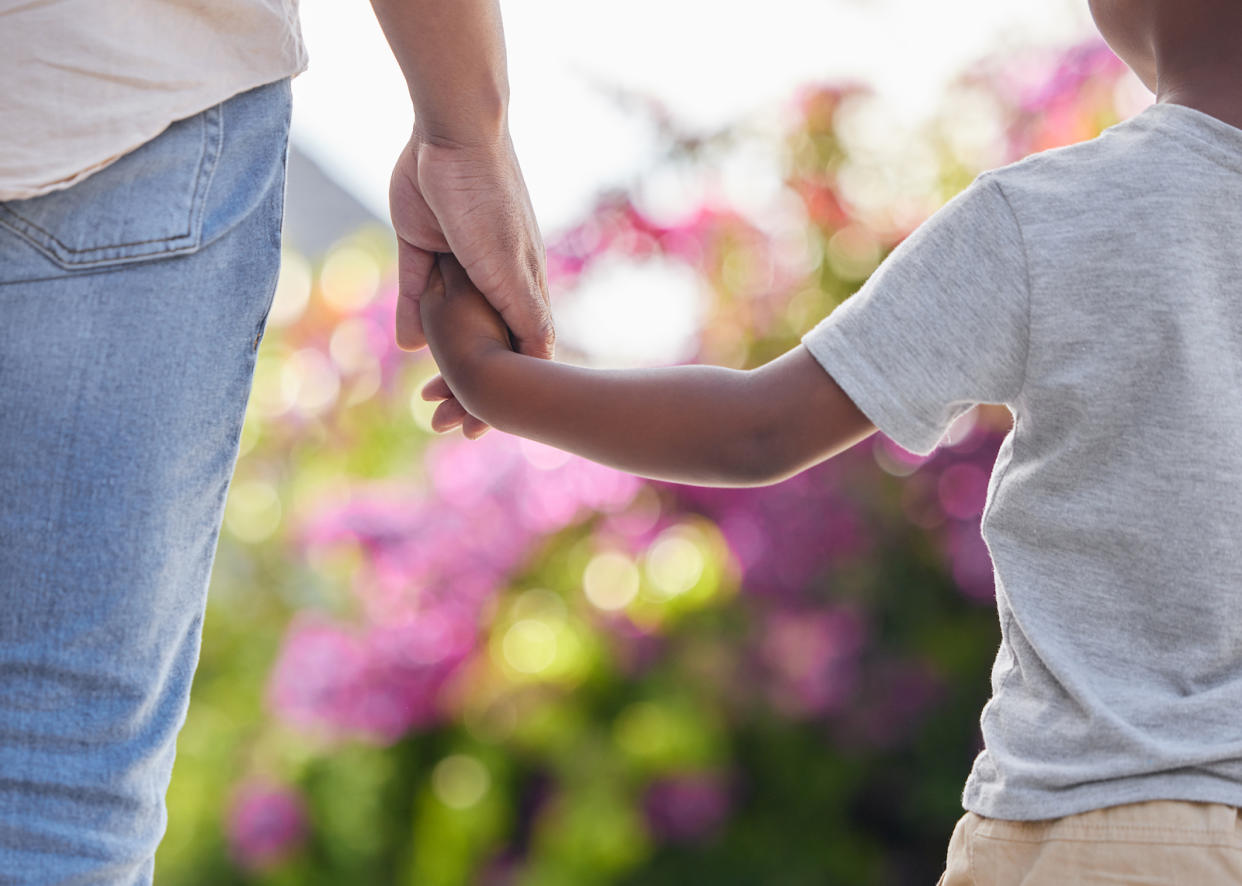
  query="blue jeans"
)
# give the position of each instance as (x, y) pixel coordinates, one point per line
(131, 307)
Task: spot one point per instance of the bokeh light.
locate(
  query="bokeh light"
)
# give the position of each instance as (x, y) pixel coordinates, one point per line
(293, 289)
(348, 279)
(674, 562)
(530, 645)
(610, 580)
(252, 512)
(460, 781)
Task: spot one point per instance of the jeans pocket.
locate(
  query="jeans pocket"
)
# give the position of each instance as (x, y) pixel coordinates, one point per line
(147, 204)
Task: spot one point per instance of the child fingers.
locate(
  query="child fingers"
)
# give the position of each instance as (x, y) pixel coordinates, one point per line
(450, 414)
(435, 280)
(454, 275)
(474, 428)
(436, 389)
(447, 416)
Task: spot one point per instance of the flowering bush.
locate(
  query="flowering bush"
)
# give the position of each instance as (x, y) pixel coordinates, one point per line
(431, 660)
(266, 824)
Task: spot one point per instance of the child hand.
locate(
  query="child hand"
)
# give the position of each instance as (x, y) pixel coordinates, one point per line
(461, 329)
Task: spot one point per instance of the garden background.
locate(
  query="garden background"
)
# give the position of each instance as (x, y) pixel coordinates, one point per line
(431, 661)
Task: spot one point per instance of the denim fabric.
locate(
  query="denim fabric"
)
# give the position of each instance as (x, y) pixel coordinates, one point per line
(131, 307)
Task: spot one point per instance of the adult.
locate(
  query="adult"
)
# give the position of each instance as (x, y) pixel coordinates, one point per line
(142, 164)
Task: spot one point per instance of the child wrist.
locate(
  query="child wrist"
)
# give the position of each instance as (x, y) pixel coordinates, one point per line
(477, 378)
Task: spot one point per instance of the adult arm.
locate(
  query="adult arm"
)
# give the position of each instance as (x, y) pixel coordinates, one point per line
(457, 186)
(452, 53)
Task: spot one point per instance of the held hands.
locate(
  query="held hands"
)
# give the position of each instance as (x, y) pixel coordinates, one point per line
(462, 329)
(469, 200)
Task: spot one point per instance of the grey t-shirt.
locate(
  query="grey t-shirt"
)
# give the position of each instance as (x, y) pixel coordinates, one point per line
(1096, 290)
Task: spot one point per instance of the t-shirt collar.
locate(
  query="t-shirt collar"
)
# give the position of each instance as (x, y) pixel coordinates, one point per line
(1214, 138)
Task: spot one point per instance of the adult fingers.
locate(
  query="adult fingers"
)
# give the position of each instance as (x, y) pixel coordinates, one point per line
(526, 311)
(480, 202)
(413, 272)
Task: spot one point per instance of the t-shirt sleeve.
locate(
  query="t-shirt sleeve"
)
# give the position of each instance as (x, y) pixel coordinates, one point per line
(941, 325)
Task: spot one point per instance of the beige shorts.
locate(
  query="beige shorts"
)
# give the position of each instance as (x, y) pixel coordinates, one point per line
(1138, 844)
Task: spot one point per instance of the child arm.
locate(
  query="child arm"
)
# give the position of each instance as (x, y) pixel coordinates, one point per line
(705, 425)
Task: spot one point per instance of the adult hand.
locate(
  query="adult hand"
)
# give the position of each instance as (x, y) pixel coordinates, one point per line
(469, 200)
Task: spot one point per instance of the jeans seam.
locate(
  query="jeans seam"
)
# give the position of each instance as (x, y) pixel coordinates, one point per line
(280, 233)
(209, 155)
(203, 189)
(49, 235)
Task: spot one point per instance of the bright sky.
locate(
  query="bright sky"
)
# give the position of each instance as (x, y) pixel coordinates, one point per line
(709, 61)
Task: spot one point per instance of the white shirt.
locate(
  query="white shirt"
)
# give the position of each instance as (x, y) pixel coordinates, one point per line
(87, 81)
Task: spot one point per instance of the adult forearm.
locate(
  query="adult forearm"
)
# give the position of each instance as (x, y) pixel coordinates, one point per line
(687, 424)
(452, 53)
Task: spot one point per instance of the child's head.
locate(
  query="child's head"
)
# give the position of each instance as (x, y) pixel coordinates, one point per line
(1160, 39)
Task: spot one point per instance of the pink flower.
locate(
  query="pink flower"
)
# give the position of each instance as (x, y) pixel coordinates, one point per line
(377, 683)
(267, 823)
(969, 560)
(431, 563)
(963, 489)
(1079, 64)
(786, 535)
(811, 658)
(687, 807)
(899, 454)
(1049, 110)
(316, 678)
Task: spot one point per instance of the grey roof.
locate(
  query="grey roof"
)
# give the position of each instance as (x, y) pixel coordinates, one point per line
(318, 210)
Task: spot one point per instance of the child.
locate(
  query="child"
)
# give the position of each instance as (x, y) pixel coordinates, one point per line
(1094, 290)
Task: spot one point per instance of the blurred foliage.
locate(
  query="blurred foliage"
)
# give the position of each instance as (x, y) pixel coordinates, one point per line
(433, 661)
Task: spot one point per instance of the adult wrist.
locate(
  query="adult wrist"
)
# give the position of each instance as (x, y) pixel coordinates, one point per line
(482, 122)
